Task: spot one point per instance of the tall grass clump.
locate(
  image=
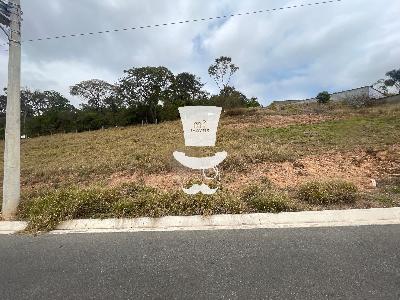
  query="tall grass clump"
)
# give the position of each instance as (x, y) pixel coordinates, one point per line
(45, 211)
(328, 193)
(263, 198)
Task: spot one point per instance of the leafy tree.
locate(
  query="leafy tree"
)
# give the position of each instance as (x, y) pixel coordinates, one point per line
(95, 92)
(30, 106)
(253, 102)
(229, 97)
(147, 87)
(187, 88)
(55, 102)
(89, 120)
(323, 97)
(222, 71)
(45, 112)
(392, 80)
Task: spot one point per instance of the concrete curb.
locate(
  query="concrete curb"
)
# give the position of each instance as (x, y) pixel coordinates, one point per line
(327, 218)
(9, 227)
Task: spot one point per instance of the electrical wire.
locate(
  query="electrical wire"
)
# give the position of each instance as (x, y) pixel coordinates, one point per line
(179, 22)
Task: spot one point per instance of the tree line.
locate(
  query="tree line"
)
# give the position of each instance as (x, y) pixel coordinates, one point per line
(142, 95)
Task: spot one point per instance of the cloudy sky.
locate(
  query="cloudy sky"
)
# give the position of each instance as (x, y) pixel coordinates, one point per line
(289, 54)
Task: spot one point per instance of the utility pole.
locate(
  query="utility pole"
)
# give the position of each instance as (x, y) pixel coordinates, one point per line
(12, 164)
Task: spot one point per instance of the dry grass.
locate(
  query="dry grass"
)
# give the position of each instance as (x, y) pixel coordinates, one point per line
(288, 147)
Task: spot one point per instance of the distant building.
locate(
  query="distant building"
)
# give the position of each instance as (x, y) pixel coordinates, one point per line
(361, 93)
(367, 92)
(364, 92)
(284, 102)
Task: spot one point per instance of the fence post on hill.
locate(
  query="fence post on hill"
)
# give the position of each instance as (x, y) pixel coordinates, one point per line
(12, 163)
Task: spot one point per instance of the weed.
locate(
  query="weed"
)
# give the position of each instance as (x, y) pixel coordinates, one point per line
(327, 193)
(44, 212)
(262, 198)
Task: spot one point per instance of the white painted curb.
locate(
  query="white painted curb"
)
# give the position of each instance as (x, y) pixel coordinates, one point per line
(327, 218)
(9, 227)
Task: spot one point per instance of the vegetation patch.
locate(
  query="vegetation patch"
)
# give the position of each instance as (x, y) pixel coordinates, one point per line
(263, 198)
(72, 166)
(328, 193)
(339, 134)
(45, 211)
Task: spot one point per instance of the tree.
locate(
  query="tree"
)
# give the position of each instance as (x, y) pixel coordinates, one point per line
(253, 102)
(147, 87)
(30, 103)
(222, 70)
(95, 92)
(187, 88)
(323, 97)
(3, 104)
(229, 98)
(392, 80)
(55, 102)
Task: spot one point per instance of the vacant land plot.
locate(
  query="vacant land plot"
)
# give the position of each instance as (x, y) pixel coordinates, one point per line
(278, 161)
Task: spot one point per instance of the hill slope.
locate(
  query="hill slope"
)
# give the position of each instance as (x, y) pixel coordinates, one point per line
(282, 150)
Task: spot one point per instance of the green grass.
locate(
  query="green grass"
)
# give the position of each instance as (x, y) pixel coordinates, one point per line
(388, 192)
(263, 198)
(45, 211)
(345, 134)
(328, 193)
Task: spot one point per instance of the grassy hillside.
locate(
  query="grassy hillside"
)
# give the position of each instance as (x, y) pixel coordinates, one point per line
(281, 153)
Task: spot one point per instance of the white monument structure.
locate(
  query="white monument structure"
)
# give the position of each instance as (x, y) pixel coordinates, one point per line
(200, 124)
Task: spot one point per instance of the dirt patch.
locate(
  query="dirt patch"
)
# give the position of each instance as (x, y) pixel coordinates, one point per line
(360, 167)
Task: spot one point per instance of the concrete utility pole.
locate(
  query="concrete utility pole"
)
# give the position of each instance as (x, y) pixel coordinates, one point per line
(12, 164)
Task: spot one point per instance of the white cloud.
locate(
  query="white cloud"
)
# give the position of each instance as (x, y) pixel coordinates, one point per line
(66, 74)
(284, 55)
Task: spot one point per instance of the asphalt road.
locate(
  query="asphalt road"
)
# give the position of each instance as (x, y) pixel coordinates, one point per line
(313, 263)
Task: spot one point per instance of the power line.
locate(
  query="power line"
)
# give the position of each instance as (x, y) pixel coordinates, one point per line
(179, 22)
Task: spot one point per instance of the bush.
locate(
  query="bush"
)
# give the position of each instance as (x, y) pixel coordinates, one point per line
(323, 97)
(45, 211)
(326, 193)
(235, 112)
(262, 198)
(152, 203)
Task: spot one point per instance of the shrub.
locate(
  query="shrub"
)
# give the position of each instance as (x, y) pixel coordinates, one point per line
(241, 111)
(262, 198)
(153, 203)
(44, 212)
(323, 97)
(235, 112)
(325, 193)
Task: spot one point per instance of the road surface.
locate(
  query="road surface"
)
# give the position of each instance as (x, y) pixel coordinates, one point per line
(309, 263)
